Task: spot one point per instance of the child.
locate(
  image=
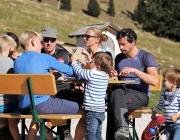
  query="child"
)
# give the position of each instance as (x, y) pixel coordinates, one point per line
(34, 62)
(8, 103)
(95, 91)
(170, 103)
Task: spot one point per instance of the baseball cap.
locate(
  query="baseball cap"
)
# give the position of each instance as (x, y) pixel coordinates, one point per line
(49, 32)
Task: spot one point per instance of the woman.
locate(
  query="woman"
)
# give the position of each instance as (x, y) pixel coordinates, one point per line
(92, 40)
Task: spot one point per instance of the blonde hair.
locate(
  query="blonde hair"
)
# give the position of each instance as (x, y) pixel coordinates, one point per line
(98, 33)
(173, 75)
(26, 36)
(5, 42)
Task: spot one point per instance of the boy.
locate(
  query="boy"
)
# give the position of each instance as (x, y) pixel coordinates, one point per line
(95, 91)
(34, 62)
(170, 102)
(8, 103)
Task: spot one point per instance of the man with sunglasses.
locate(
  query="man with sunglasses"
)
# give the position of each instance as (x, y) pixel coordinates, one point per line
(131, 64)
(50, 47)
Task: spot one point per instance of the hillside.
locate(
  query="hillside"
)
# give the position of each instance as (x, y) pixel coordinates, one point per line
(19, 15)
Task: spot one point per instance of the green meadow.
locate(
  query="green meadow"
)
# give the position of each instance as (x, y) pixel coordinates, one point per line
(20, 15)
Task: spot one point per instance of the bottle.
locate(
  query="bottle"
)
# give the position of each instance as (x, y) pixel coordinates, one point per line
(150, 133)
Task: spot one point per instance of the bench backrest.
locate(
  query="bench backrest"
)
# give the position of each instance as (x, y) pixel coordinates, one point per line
(31, 84)
(17, 84)
(158, 86)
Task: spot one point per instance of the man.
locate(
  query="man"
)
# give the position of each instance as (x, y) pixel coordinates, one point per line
(131, 64)
(50, 47)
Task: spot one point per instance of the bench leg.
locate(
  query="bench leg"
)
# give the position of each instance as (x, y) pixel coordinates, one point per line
(135, 136)
(23, 128)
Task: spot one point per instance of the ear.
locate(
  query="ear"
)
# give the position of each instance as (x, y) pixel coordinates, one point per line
(174, 83)
(134, 42)
(98, 67)
(32, 42)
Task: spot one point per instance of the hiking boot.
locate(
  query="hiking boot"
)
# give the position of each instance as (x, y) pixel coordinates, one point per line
(122, 134)
(67, 135)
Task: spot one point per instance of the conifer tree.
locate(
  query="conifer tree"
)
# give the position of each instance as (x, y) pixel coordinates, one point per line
(66, 5)
(160, 17)
(111, 10)
(94, 8)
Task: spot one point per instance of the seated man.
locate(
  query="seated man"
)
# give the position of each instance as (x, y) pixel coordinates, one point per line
(131, 64)
(64, 92)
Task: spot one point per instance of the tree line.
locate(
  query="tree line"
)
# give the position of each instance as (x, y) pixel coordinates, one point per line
(93, 8)
(160, 17)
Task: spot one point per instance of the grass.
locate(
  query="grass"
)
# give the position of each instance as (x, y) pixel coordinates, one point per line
(20, 15)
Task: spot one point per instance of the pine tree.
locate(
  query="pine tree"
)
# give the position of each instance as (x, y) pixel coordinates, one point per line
(94, 8)
(160, 17)
(66, 5)
(111, 10)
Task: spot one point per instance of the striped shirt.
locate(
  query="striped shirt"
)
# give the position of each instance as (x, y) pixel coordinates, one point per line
(95, 89)
(170, 103)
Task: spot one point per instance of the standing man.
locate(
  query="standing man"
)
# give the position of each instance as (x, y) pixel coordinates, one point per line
(49, 36)
(131, 64)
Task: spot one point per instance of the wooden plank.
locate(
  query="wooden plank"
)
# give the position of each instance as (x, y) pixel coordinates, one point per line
(158, 86)
(16, 84)
(42, 116)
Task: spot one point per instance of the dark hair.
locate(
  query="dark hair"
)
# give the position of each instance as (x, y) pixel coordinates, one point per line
(104, 60)
(14, 37)
(131, 35)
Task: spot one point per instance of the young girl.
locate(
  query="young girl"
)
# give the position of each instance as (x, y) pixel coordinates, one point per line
(170, 103)
(95, 91)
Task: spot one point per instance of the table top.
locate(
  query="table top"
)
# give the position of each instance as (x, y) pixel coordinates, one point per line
(111, 81)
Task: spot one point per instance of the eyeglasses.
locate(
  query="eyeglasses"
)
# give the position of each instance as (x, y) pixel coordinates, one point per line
(49, 39)
(123, 34)
(89, 36)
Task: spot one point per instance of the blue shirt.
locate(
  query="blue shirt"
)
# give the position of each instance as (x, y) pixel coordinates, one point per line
(36, 63)
(141, 61)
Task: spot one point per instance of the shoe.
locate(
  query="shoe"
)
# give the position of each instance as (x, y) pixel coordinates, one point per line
(122, 134)
(67, 135)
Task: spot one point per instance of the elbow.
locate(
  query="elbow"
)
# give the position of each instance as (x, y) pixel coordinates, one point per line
(155, 82)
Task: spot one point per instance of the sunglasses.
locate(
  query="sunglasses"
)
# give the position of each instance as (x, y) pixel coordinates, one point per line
(49, 39)
(123, 34)
(89, 36)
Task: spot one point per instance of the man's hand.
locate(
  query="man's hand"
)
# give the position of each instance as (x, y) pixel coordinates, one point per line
(127, 70)
(113, 73)
(174, 117)
(74, 58)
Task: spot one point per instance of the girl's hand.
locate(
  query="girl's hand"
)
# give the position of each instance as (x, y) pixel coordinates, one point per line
(74, 58)
(113, 73)
(174, 117)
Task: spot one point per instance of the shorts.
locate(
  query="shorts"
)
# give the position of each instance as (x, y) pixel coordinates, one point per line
(9, 108)
(55, 105)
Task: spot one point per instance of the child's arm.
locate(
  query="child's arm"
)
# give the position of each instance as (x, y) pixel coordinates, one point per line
(85, 74)
(159, 107)
(153, 116)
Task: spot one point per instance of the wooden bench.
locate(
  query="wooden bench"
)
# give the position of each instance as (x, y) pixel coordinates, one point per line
(41, 84)
(138, 113)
